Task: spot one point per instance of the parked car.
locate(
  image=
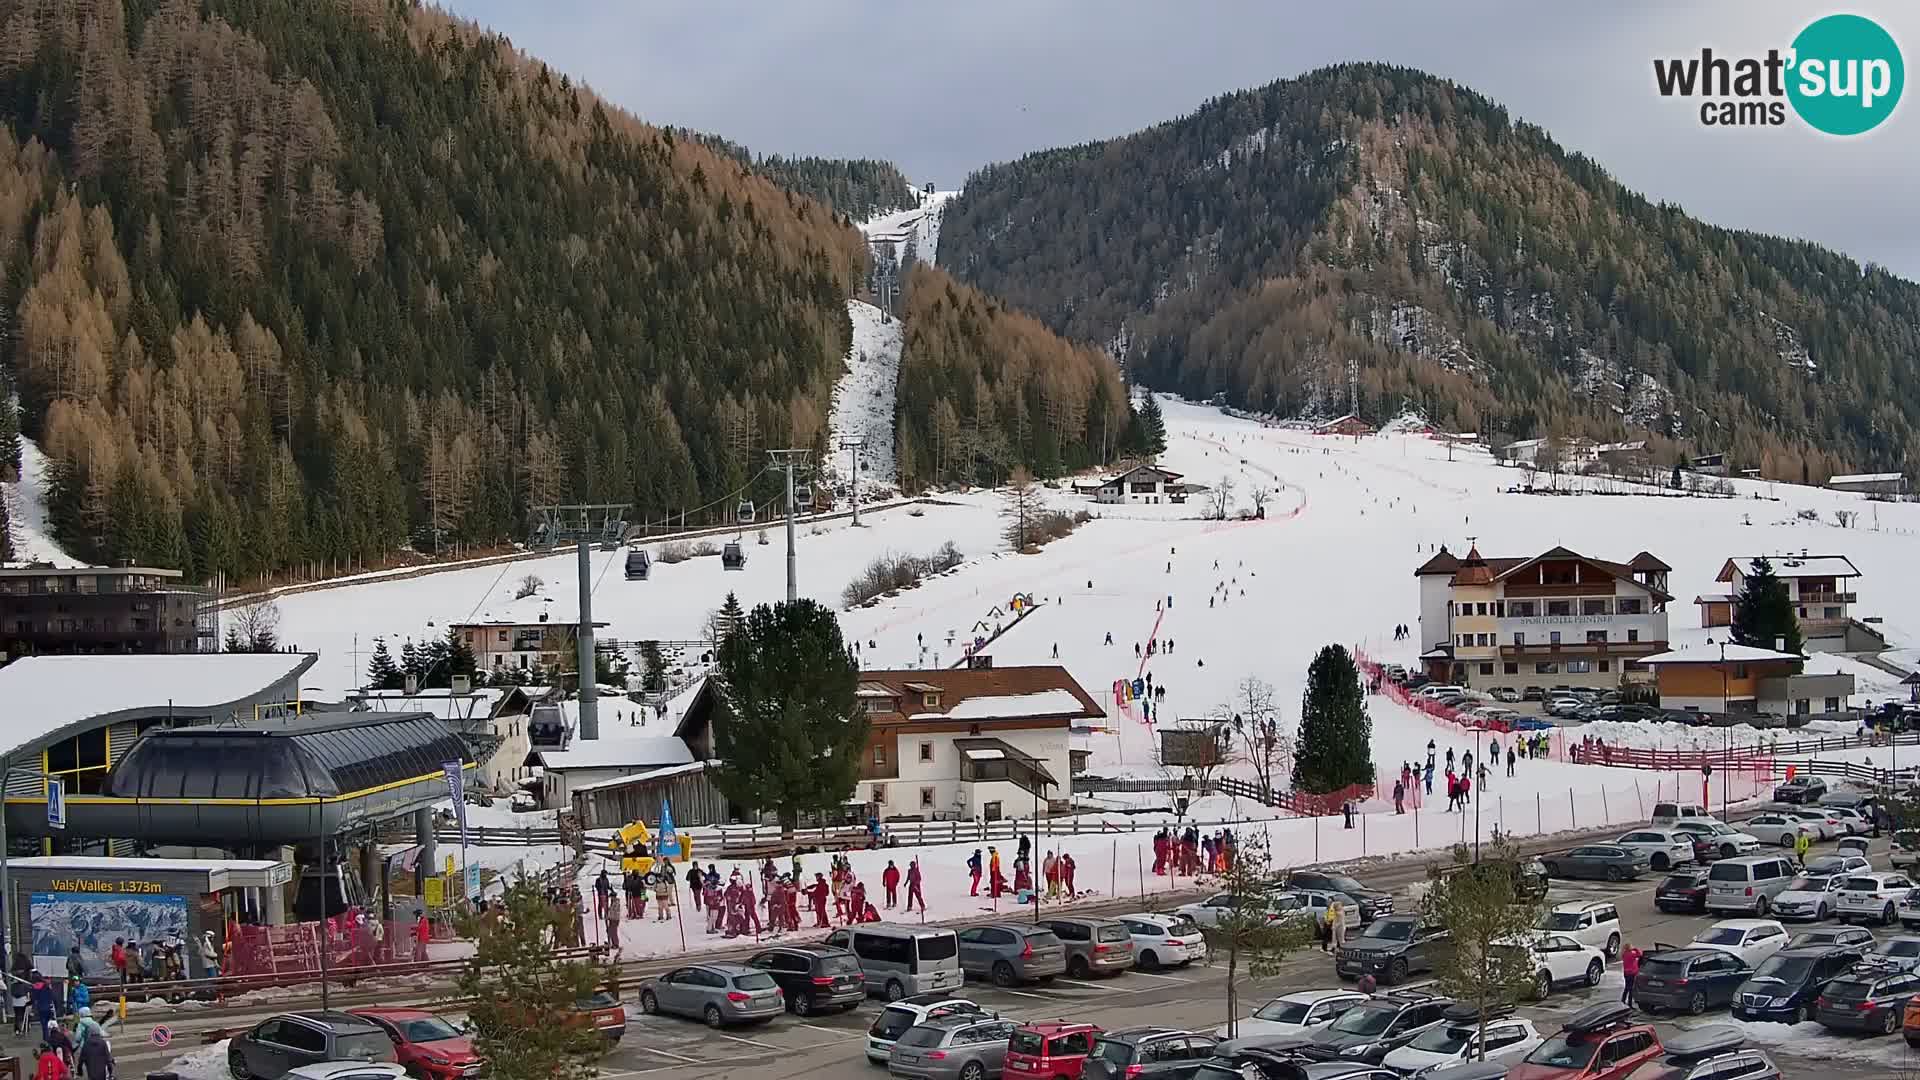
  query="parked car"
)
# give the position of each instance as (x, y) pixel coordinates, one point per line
(1780, 829)
(1528, 876)
(1296, 1013)
(1905, 852)
(1373, 903)
(1850, 936)
(1717, 1052)
(1589, 922)
(1564, 706)
(1094, 946)
(1856, 821)
(1808, 896)
(718, 994)
(1748, 882)
(1370, 1031)
(1393, 948)
(1507, 694)
(1719, 841)
(1682, 890)
(1559, 960)
(603, 1013)
(1872, 896)
(1458, 1038)
(1151, 1052)
(1752, 940)
(1824, 819)
(814, 978)
(1054, 1050)
(1600, 1042)
(424, 1043)
(1533, 693)
(1784, 986)
(898, 1017)
(272, 1047)
(902, 961)
(1901, 952)
(348, 1070)
(1276, 906)
(1665, 848)
(1162, 940)
(962, 1046)
(1668, 814)
(1690, 980)
(1870, 999)
(1610, 862)
(1857, 800)
(1800, 789)
(1839, 864)
(1011, 953)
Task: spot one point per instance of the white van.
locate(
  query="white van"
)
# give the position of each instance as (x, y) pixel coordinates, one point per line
(903, 961)
(1666, 815)
(1433, 690)
(1748, 882)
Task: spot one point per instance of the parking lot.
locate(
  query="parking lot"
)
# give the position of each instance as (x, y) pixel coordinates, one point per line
(1195, 998)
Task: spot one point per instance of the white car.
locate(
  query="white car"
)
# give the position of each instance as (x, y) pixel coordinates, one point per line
(1839, 863)
(1595, 923)
(1292, 1014)
(1781, 829)
(898, 1017)
(1822, 819)
(1856, 823)
(1564, 706)
(1809, 896)
(1665, 847)
(1213, 909)
(1725, 839)
(1164, 940)
(1559, 960)
(1752, 940)
(1509, 1039)
(1872, 896)
(347, 1070)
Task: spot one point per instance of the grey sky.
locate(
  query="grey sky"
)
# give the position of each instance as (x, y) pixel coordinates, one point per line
(944, 88)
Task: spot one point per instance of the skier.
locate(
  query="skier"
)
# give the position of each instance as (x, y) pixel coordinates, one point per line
(1056, 650)
(1109, 637)
(973, 870)
(1066, 874)
(693, 883)
(817, 899)
(996, 882)
(890, 881)
(1399, 796)
(1510, 760)
(602, 893)
(913, 885)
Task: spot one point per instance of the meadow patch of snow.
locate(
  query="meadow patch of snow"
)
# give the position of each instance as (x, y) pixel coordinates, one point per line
(27, 511)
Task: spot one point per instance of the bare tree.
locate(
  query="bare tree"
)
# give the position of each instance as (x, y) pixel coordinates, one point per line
(1196, 751)
(1220, 499)
(1263, 743)
(1260, 494)
(1548, 459)
(253, 627)
(528, 586)
(1022, 503)
(1845, 518)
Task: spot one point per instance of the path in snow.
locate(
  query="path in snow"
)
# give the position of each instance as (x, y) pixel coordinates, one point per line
(863, 399)
(27, 511)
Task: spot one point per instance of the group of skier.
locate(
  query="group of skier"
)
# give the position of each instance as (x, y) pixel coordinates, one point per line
(1056, 870)
(1190, 852)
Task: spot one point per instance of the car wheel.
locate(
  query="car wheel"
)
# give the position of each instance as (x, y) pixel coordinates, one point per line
(1149, 962)
(1078, 968)
(1760, 907)
(1397, 971)
(803, 1003)
(1786, 841)
(1614, 873)
(1728, 851)
(237, 1063)
(1697, 1004)
(1892, 1022)
(1798, 1015)
(1594, 971)
(1542, 986)
(711, 1014)
(1613, 947)
(1662, 863)
(1886, 915)
(648, 1003)
(895, 991)
(1820, 913)
(1553, 868)
(973, 1070)
(1003, 974)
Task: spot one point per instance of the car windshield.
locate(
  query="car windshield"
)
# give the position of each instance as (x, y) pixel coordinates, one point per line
(1027, 1042)
(1860, 884)
(1680, 881)
(759, 980)
(1183, 924)
(1561, 1053)
(1902, 947)
(1728, 872)
(1807, 883)
(1443, 1040)
(1113, 932)
(1663, 967)
(1342, 883)
(1788, 969)
(923, 1035)
(1365, 1020)
(429, 1029)
(1115, 1053)
(1561, 921)
(1282, 1012)
(1720, 935)
(1389, 930)
(838, 965)
(937, 946)
(1846, 990)
(891, 1022)
(363, 1046)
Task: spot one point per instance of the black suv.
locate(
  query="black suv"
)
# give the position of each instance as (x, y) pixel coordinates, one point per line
(1530, 881)
(1785, 984)
(1800, 789)
(1684, 889)
(814, 977)
(1161, 1052)
(1378, 1026)
(281, 1043)
(1372, 902)
(1392, 948)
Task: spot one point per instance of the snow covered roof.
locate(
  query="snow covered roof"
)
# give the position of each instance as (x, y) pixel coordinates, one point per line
(1866, 478)
(641, 777)
(999, 693)
(47, 695)
(480, 704)
(1043, 703)
(1165, 474)
(1711, 654)
(621, 753)
(1714, 598)
(1791, 566)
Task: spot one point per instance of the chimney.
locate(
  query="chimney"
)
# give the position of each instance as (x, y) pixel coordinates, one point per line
(1780, 644)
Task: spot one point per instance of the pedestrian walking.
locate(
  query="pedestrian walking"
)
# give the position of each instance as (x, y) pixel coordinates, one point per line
(1629, 968)
(890, 881)
(913, 885)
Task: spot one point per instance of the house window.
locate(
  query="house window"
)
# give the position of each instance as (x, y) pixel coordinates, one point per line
(1519, 637)
(502, 637)
(1480, 609)
(879, 705)
(1832, 704)
(880, 794)
(926, 797)
(1525, 609)
(1831, 613)
(1512, 669)
(1633, 636)
(1483, 639)
(1553, 637)
(1500, 608)
(931, 701)
(1546, 667)
(1739, 671)
(1466, 639)
(1606, 666)
(926, 752)
(467, 637)
(1486, 669)
(1579, 667)
(879, 753)
(1593, 607)
(1628, 605)
(1596, 637)
(1559, 607)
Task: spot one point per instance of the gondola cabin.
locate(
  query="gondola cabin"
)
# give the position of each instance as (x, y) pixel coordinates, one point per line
(744, 512)
(639, 564)
(733, 556)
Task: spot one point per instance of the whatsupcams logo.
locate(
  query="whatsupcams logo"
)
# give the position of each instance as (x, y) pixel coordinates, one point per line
(1842, 75)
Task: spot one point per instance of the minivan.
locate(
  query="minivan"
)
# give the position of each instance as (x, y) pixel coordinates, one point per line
(902, 961)
(1748, 882)
(1666, 814)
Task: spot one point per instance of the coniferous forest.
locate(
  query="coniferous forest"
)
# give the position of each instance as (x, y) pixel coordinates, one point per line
(290, 283)
(1374, 236)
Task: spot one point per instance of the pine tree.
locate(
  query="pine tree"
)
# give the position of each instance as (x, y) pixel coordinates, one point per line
(1253, 936)
(786, 726)
(1022, 503)
(460, 660)
(382, 672)
(1153, 429)
(731, 616)
(6, 532)
(653, 666)
(1336, 735)
(412, 664)
(1763, 615)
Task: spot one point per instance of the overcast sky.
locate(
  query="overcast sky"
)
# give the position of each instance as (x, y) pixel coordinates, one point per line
(941, 89)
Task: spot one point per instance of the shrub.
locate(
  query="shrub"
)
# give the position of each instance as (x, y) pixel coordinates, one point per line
(891, 573)
(675, 551)
(1055, 524)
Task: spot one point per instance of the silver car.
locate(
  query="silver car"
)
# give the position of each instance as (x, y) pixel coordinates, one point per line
(958, 1047)
(719, 994)
(1094, 946)
(1010, 953)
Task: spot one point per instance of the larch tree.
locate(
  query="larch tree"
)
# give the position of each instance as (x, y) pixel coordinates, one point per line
(1021, 505)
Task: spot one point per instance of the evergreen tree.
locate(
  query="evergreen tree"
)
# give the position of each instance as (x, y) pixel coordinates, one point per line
(524, 998)
(731, 616)
(434, 659)
(1250, 934)
(382, 672)
(1336, 735)
(654, 666)
(460, 660)
(1153, 429)
(1763, 616)
(786, 726)
(233, 642)
(412, 664)
(6, 532)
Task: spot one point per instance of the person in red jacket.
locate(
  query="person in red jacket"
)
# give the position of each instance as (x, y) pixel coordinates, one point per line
(913, 885)
(856, 901)
(1066, 874)
(422, 933)
(890, 881)
(49, 1067)
(817, 899)
(1629, 967)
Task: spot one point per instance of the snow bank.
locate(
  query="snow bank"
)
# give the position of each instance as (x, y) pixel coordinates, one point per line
(207, 1062)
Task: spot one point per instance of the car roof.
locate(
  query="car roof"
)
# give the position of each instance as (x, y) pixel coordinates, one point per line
(819, 949)
(1686, 952)
(1056, 1027)
(1812, 952)
(1747, 924)
(955, 1021)
(334, 1019)
(1309, 997)
(1144, 1031)
(392, 1012)
(922, 1008)
(1157, 918)
(728, 970)
(1580, 907)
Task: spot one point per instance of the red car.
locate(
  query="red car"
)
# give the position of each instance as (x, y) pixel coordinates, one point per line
(1054, 1050)
(427, 1046)
(1600, 1042)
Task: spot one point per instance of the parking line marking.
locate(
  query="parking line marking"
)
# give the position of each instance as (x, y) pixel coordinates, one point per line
(828, 1030)
(669, 1053)
(1076, 982)
(1151, 975)
(754, 1042)
(1023, 993)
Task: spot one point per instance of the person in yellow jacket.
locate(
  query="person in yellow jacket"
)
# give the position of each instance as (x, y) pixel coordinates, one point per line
(1802, 843)
(996, 883)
